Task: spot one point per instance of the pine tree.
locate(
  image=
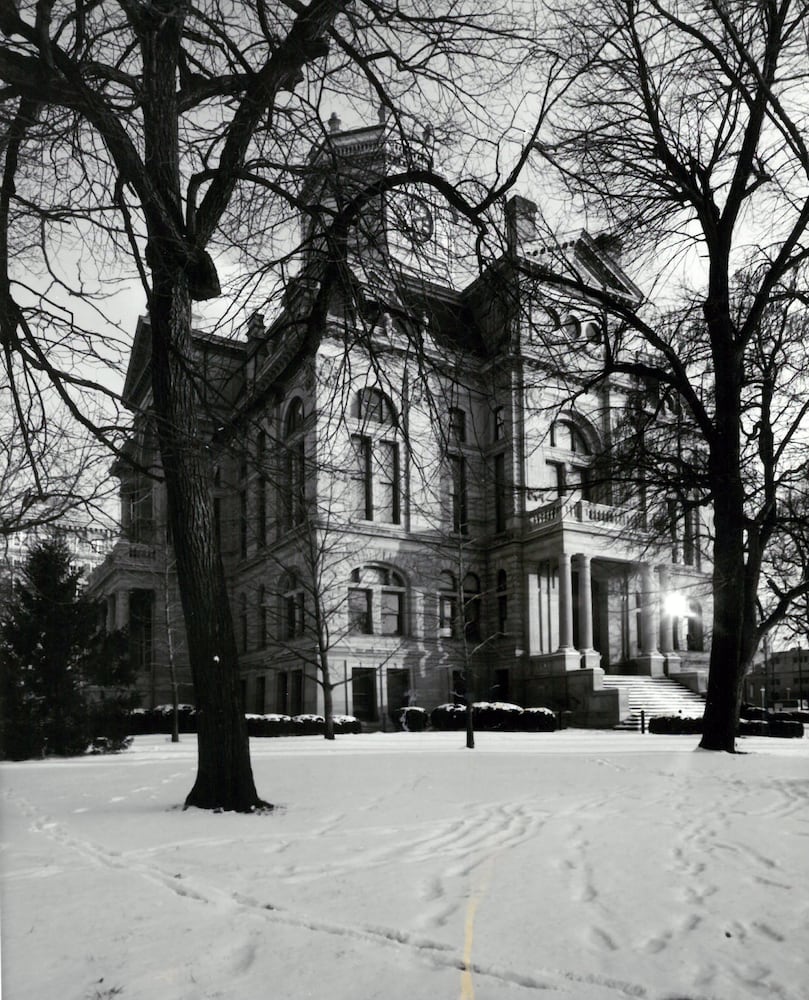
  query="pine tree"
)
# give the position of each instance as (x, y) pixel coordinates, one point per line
(51, 648)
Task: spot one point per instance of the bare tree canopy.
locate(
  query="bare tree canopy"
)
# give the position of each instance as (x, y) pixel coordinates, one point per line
(171, 141)
(681, 130)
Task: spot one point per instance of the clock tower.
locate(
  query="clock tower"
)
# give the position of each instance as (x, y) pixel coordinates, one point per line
(406, 229)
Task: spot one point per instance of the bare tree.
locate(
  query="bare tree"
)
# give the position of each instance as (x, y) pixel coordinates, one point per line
(165, 133)
(681, 129)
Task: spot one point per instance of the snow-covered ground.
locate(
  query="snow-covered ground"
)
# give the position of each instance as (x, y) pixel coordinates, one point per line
(576, 864)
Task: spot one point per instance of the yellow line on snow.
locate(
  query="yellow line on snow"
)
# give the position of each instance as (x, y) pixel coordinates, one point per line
(467, 985)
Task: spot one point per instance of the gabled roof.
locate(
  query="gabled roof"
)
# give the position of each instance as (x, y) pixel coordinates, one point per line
(586, 258)
(137, 384)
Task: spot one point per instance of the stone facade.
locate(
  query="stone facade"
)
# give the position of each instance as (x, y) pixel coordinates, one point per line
(410, 498)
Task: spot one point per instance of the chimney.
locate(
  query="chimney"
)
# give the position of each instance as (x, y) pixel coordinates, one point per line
(521, 222)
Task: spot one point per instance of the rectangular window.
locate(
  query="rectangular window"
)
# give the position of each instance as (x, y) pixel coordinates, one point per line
(559, 477)
(294, 498)
(460, 521)
(360, 621)
(502, 613)
(578, 478)
(217, 521)
(472, 618)
(386, 508)
(392, 612)
(243, 523)
(362, 500)
(671, 510)
(499, 423)
(691, 553)
(499, 492)
(262, 622)
(294, 614)
(457, 426)
(447, 615)
(261, 513)
(261, 694)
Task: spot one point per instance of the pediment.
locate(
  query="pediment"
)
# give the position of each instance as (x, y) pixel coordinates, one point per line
(583, 261)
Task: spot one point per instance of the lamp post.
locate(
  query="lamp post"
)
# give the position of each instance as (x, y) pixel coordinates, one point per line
(763, 705)
(766, 681)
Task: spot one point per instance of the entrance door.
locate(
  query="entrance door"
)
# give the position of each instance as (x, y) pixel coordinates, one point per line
(398, 691)
(363, 689)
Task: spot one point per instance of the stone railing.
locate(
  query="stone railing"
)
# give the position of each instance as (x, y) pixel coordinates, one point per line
(135, 551)
(583, 512)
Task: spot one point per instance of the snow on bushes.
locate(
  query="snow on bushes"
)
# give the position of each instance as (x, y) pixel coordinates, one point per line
(494, 716)
(412, 719)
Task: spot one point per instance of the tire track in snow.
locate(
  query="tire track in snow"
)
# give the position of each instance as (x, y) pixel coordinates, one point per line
(435, 953)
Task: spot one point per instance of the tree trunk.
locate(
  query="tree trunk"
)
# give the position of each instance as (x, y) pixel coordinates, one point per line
(167, 621)
(224, 774)
(726, 674)
(328, 705)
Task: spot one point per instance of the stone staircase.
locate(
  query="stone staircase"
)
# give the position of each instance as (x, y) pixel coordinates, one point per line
(654, 696)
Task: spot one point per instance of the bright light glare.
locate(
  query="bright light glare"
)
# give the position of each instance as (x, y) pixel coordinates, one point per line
(676, 605)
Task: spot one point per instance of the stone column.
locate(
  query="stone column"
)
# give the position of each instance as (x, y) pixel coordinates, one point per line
(650, 661)
(589, 657)
(532, 588)
(121, 608)
(672, 660)
(565, 602)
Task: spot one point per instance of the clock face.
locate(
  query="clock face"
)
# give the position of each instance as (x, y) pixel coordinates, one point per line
(414, 218)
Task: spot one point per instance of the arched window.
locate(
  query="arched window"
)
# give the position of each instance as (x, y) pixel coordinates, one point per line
(375, 469)
(374, 407)
(566, 436)
(377, 602)
(294, 489)
(294, 418)
(576, 327)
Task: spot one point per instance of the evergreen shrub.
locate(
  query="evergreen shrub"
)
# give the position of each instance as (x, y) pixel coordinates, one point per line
(271, 724)
(497, 716)
(785, 728)
(412, 719)
(448, 717)
(675, 725)
(538, 720)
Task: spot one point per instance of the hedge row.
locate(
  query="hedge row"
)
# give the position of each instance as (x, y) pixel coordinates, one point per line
(159, 720)
(674, 725)
(494, 716)
(776, 726)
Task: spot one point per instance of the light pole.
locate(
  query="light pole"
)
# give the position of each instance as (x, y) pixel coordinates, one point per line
(763, 704)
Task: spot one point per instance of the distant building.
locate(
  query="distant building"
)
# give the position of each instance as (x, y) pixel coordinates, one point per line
(782, 676)
(88, 544)
(420, 472)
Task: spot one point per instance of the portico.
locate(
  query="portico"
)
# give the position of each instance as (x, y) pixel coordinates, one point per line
(589, 613)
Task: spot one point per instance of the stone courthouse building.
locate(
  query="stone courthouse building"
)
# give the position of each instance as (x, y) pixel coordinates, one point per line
(408, 481)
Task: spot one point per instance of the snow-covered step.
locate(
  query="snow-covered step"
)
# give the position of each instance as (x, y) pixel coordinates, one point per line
(655, 696)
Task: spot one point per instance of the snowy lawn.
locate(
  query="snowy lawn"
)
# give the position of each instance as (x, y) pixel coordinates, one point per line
(575, 864)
